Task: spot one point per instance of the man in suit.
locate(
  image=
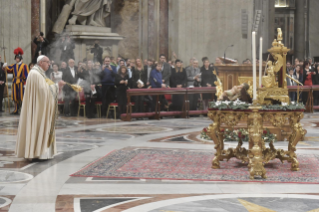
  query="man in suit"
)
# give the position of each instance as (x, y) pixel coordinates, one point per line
(156, 81)
(2, 83)
(290, 82)
(166, 70)
(70, 76)
(193, 80)
(108, 89)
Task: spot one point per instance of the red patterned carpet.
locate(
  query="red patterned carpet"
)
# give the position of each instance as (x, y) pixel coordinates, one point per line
(177, 164)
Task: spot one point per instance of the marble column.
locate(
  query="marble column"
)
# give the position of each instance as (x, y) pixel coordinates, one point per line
(151, 30)
(163, 28)
(299, 41)
(35, 23)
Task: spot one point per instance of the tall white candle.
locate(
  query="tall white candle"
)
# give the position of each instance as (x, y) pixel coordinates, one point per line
(260, 59)
(254, 66)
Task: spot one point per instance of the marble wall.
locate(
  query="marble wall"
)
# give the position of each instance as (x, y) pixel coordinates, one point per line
(206, 28)
(15, 28)
(125, 22)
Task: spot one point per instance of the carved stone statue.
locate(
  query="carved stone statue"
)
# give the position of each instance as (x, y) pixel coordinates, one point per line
(91, 12)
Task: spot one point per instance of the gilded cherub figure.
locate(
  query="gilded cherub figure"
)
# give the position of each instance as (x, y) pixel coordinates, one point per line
(269, 81)
(279, 35)
(219, 89)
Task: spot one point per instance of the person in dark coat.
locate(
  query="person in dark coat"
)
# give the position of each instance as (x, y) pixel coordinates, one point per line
(42, 44)
(178, 80)
(91, 78)
(70, 75)
(156, 81)
(2, 83)
(108, 90)
(166, 70)
(67, 47)
(98, 52)
(139, 80)
(121, 83)
(193, 76)
(208, 80)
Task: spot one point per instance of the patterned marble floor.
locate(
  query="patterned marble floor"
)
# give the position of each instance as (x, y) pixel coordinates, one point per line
(47, 186)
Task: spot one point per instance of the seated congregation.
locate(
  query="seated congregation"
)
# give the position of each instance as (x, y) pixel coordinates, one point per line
(105, 87)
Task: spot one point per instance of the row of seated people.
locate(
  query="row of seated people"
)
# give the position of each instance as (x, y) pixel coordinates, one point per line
(114, 83)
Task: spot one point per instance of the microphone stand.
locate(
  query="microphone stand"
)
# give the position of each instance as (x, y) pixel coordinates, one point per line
(225, 52)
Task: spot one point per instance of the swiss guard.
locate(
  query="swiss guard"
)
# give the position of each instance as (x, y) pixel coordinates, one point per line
(20, 73)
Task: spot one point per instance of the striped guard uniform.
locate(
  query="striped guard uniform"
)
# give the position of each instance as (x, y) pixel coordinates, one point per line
(20, 73)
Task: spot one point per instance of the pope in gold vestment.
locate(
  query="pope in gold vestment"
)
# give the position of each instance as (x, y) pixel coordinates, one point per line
(36, 134)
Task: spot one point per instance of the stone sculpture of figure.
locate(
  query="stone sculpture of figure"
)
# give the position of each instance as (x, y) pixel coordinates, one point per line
(269, 81)
(237, 92)
(91, 12)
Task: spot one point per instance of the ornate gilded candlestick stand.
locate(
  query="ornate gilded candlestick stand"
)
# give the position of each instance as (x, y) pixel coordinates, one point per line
(255, 117)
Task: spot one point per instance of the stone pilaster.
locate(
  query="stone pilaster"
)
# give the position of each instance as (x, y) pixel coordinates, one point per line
(299, 44)
(35, 23)
(163, 28)
(151, 30)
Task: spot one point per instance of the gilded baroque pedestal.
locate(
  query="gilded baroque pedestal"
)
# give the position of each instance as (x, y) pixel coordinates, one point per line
(257, 154)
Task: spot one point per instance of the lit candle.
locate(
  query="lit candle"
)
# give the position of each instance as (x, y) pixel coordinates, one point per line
(260, 59)
(254, 66)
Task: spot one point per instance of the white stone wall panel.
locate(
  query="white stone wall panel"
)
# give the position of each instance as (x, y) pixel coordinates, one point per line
(15, 28)
(207, 27)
